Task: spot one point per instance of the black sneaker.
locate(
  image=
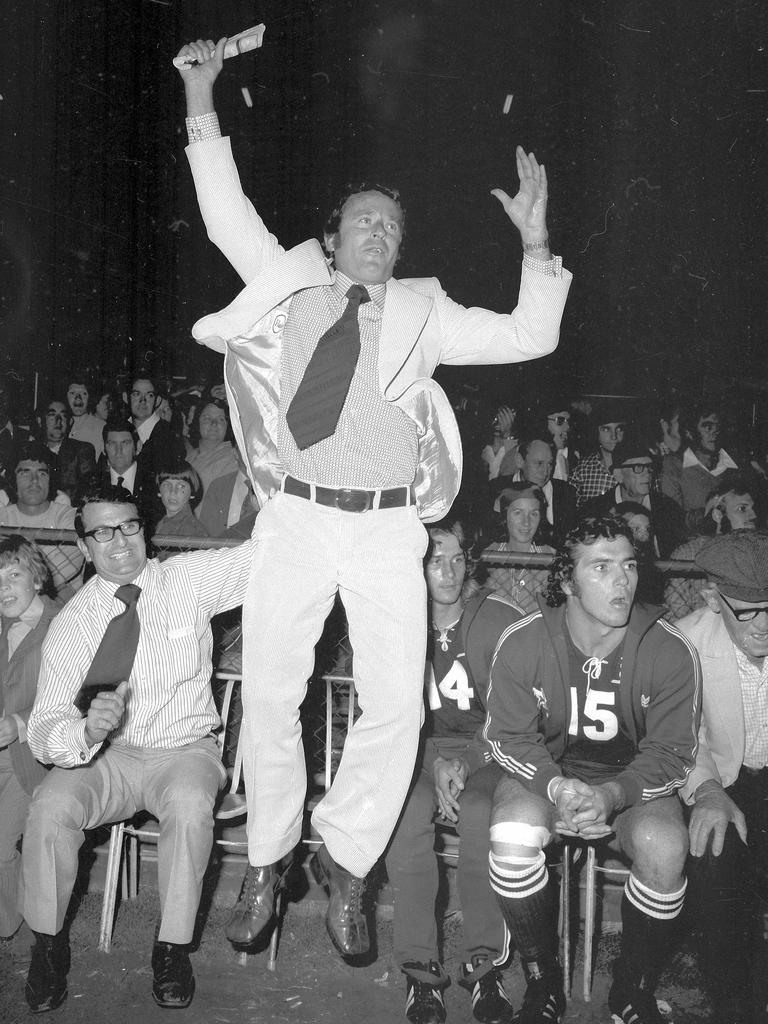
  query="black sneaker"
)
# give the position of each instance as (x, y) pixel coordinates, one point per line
(634, 1006)
(423, 996)
(490, 1003)
(544, 1000)
(174, 983)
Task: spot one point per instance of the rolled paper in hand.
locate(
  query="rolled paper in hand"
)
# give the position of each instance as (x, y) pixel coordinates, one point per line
(250, 39)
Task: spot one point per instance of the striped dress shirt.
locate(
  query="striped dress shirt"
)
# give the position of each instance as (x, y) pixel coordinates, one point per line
(375, 443)
(170, 703)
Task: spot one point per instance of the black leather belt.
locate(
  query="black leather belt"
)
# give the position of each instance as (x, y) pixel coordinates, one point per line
(349, 499)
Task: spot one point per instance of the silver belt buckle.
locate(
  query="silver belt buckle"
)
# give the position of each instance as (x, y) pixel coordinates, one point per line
(349, 499)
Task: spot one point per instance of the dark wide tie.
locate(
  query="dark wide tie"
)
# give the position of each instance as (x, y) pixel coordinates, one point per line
(317, 404)
(114, 657)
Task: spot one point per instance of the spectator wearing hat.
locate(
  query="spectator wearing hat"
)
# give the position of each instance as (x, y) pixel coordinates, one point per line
(633, 471)
(727, 789)
(535, 460)
(523, 508)
(593, 475)
(731, 507)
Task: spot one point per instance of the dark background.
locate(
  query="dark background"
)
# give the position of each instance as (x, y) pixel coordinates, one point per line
(650, 116)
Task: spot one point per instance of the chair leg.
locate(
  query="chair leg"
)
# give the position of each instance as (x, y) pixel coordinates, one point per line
(565, 917)
(589, 920)
(133, 867)
(271, 963)
(110, 887)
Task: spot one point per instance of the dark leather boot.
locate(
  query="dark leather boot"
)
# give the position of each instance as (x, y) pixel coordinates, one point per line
(47, 977)
(344, 919)
(256, 903)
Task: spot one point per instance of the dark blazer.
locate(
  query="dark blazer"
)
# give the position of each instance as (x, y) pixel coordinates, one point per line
(144, 490)
(214, 509)
(666, 518)
(75, 465)
(162, 447)
(19, 687)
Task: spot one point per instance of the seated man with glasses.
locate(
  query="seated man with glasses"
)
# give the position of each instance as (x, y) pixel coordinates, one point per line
(727, 790)
(124, 711)
(633, 471)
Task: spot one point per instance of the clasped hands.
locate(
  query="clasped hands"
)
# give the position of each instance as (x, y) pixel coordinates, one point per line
(450, 776)
(584, 810)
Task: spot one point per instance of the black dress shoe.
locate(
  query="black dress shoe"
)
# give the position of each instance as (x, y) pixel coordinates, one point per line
(255, 904)
(47, 977)
(174, 982)
(424, 1002)
(344, 919)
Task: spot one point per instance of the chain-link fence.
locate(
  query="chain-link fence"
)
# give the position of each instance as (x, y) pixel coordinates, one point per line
(331, 705)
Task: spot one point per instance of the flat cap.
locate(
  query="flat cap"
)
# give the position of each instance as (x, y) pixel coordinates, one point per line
(738, 563)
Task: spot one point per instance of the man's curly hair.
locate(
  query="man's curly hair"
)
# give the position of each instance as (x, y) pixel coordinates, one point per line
(587, 531)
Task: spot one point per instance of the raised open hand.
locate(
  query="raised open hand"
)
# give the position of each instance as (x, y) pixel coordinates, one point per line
(528, 209)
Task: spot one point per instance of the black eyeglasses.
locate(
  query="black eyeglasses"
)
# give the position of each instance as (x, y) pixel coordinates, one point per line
(559, 420)
(104, 534)
(638, 467)
(744, 614)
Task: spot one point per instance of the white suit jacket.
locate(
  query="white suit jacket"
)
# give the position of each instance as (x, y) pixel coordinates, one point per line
(722, 736)
(421, 328)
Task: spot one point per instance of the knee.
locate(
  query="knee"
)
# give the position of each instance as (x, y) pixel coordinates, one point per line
(661, 844)
(52, 808)
(192, 805)
(518, 838)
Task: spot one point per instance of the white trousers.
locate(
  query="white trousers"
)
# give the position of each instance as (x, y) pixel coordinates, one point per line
(305, 553)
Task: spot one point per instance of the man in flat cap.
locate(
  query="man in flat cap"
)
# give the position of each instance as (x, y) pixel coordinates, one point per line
(728, 788)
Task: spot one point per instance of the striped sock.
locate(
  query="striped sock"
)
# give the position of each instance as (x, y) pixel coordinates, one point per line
(525, 898)
(664, 906)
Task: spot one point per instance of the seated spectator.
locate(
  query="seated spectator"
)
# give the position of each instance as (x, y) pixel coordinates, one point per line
(133, 650)
(452, 778)
(121, 468)
(499, 454)
(211, 437)
(179, 490)
(666, 428)
(558, 424)
(633, 471)
(9, 438)
(34, 485)
(730, 507)
(229, 502)
(523, 507)
(691, 479)
(726, 791)
(26, 614)
(593, 475)
(535, 459)
(110, 406)
(650, 581)
(592, 712)
(85, 426)
(157, 440)
(75, 460)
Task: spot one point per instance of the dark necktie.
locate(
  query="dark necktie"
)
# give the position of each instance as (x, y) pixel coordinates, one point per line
(120, 480)
(114, 657)
(317, 404)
